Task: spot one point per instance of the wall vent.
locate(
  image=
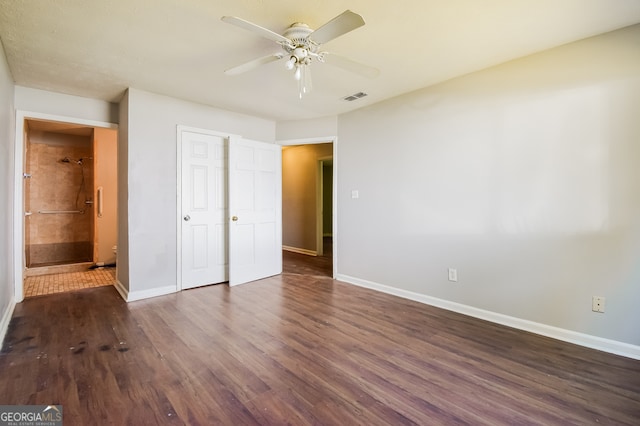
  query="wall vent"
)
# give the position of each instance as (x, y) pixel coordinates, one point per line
(355, 96)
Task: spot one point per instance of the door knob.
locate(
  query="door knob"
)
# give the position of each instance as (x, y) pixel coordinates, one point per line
(187, 218)
(234, 218)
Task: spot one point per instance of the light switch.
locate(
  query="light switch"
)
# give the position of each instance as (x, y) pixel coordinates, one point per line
(355, 194)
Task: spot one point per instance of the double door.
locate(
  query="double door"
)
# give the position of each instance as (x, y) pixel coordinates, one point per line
(230, 209)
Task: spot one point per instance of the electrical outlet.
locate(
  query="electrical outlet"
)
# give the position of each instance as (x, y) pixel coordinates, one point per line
(453, 274)
(597, 304)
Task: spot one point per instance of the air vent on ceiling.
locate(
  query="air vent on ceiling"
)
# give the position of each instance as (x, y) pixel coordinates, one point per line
(355, 96)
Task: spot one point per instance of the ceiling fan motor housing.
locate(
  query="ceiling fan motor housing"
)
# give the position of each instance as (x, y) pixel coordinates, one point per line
(301, 46)
(298, 33)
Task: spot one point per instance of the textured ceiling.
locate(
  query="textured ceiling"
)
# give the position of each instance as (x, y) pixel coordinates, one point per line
(180, 48)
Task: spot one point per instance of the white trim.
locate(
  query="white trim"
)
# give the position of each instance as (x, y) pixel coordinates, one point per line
(320, 202)
(65, 119)
(582, 339)
(144, 294)
(18, 211)
(319, 206)
(4, 322)
(179, 130)
(308, 141)
(18, 198)
(334, 224)
(124, 293)
(153, 292)
(300, 250)
(334, 141)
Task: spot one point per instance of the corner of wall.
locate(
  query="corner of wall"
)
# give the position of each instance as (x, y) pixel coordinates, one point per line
(5, 320)
(7, 193)
(122, 258)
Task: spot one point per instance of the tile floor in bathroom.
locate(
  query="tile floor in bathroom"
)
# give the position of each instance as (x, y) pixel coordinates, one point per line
(57, 283)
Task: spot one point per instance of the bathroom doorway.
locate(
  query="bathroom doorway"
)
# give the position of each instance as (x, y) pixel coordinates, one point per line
(70, 189)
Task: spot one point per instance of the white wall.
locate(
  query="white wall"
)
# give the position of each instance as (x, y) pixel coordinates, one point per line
(525, 177)
(7, 131)
(122, 256)
(152, 180)
(44, 102)
(301, 129)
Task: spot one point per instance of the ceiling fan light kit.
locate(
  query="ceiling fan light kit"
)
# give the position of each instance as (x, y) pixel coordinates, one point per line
(301, 45)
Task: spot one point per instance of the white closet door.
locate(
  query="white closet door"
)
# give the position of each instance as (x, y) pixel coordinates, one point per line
(204, 209)
(255, 208)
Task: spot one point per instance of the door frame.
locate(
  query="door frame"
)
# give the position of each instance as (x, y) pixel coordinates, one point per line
(18, 191)
(320, 207)
(179, 129)
(334, 220)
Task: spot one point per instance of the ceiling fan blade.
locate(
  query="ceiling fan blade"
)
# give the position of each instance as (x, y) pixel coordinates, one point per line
(341, 24)
(256, 29)
(349, 65)
(254, 64)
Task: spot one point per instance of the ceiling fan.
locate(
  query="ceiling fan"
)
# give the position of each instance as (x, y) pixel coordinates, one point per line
(301, 45)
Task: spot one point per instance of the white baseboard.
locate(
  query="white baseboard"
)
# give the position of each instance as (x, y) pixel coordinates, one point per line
(144, 294)
(6, 319)
(300, 250)
(154, 292)
(124, 293)
(587, 340)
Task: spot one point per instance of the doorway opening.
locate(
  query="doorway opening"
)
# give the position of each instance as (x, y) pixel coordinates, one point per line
(69, 198)
(307, 185)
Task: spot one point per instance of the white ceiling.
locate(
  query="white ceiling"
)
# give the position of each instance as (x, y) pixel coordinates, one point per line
(180, 48)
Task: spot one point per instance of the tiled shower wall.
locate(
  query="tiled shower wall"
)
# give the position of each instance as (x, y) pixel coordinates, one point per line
(58, 238)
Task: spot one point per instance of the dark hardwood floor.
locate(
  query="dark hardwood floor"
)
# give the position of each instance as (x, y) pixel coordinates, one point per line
(299, 349)
(315, 266)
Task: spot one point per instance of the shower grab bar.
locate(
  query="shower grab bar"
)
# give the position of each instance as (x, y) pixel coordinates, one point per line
(100, 205)
(61, 211)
